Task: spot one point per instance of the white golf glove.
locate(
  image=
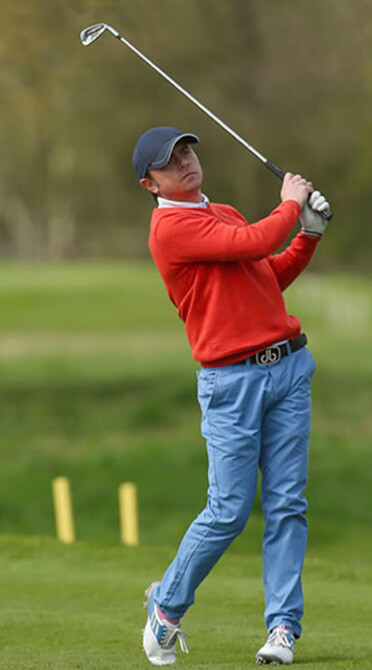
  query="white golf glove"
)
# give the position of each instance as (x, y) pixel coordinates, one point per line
(312, 223)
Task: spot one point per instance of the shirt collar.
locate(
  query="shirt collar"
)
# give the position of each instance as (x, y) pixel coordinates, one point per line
(163, 202)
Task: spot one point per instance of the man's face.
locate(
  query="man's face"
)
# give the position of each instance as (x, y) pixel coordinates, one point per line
(180, 179)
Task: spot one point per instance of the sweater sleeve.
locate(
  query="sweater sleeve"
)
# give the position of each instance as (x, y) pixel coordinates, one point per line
(291, 262)
(199, 236)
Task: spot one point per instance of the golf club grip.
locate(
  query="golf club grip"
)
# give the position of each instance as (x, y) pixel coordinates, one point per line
(326, 214)
(274, 168)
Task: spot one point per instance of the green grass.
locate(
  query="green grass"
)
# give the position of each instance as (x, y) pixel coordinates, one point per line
(97, 383)
(79, 607)
(82, 298)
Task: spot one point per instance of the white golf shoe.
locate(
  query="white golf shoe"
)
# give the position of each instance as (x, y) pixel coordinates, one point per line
(160, 636)
(279, 647)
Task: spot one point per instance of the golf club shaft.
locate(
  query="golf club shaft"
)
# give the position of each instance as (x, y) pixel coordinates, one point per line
(326, 214)
(279, 173)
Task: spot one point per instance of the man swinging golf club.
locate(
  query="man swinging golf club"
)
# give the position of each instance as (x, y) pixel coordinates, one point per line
(226, 281)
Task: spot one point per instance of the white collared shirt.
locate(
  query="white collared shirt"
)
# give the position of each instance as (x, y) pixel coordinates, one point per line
(163, 202)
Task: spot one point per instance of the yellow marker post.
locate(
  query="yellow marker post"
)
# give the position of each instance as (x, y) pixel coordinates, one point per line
(63, 510)
(128, 514)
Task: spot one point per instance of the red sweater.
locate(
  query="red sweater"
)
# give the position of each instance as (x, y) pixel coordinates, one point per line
(220, 274)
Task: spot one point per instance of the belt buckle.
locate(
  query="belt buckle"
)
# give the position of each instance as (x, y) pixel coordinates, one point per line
(269, 356)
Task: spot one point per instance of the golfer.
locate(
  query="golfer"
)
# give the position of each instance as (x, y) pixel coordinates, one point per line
(226, 280)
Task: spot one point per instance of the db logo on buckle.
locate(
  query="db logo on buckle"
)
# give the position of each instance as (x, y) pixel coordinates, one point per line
(269, 356)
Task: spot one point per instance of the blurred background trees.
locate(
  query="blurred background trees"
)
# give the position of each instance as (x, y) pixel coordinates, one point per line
(294, 78)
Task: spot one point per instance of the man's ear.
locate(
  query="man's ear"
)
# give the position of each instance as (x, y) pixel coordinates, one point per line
(150, 185)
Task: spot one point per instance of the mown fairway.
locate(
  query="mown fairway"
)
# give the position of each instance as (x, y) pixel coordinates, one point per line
(79, 608)
(97, 384)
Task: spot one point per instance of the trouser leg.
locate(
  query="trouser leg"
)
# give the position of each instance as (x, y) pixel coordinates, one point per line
(284, 465)
(231, 416)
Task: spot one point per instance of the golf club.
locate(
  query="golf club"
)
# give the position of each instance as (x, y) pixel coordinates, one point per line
(92, 33)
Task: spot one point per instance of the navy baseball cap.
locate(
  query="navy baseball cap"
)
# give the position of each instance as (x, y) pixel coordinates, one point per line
(154, 148)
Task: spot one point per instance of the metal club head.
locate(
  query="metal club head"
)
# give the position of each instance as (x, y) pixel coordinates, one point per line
(92, 33)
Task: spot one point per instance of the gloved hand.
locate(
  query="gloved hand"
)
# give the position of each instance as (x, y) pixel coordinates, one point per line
(312, 223)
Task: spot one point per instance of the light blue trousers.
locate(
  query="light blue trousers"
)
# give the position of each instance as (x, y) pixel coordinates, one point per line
(252, 417)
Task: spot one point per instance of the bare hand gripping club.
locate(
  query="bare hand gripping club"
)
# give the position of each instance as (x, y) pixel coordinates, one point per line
(92, 33)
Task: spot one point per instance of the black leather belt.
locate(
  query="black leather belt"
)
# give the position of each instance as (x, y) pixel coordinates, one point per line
(274, 353)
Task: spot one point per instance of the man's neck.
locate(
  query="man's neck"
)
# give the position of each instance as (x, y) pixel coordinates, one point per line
(198, 197)
(195, 196)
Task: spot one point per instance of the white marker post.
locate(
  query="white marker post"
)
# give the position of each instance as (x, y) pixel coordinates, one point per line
(63, 510)
(128, 508)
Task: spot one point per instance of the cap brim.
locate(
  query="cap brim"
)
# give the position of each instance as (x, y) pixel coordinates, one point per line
(164, 159)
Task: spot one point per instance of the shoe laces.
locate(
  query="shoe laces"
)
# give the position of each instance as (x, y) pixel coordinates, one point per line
(281, 637)
(170, 634)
